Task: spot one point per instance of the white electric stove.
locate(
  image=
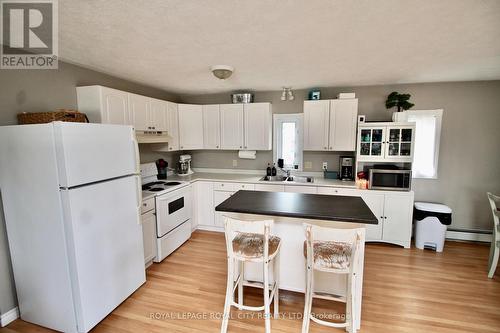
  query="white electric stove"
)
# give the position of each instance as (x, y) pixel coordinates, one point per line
(173, 210)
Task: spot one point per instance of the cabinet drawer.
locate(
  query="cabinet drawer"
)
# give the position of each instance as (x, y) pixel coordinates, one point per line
(220, 186)
(270, 187)
(147, 205)
(244, 186)
(339, 191)
(300, 189)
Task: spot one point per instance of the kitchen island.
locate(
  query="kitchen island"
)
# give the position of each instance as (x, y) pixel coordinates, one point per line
(289, 211)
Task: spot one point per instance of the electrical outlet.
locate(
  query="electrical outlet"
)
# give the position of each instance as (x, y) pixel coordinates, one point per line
(235, 163)
(308, 165)
(325, 166)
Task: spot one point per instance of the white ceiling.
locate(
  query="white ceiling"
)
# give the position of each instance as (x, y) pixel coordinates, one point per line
(172, 44)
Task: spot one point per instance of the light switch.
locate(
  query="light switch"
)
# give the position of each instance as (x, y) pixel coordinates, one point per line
(308, 165)
(235, 163)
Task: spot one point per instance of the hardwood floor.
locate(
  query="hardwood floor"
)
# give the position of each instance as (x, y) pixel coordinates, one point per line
(405, 290)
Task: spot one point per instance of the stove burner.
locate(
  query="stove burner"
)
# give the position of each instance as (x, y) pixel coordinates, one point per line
(156, 189)
(172, 183)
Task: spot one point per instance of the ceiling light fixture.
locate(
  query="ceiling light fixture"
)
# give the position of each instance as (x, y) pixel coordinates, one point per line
(222, 71)
(287, 94)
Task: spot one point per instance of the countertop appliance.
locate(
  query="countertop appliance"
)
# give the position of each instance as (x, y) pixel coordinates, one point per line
(73, 224)
(389, 179)
(173, 210)
(346, 168)
(185, 165)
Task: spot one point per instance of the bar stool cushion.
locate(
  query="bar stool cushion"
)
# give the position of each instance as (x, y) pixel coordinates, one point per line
(251, 245)
(330, 254)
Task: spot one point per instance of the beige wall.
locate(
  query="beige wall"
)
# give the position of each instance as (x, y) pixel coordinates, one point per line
(469, 161)
(46, 90)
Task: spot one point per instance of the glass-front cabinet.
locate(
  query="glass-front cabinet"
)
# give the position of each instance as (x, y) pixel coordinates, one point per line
(372, 142)
(386, 142)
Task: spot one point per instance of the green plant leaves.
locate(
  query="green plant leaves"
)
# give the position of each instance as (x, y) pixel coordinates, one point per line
(401, 101)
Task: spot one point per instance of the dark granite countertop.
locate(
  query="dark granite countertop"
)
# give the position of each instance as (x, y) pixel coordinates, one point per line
(299, 205)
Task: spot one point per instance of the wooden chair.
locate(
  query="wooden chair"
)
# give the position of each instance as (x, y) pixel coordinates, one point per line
(333, 251)
(251, 241)
(495, 242)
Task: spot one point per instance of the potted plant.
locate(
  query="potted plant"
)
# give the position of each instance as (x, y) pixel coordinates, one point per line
(399, 101)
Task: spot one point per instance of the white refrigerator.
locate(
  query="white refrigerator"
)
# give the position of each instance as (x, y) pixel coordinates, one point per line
(71, 194)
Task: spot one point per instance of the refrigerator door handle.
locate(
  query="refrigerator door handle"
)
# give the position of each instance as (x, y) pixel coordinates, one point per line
(139, 198)
(136, 150)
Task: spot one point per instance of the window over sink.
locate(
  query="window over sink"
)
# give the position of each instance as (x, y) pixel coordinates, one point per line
(288, 140)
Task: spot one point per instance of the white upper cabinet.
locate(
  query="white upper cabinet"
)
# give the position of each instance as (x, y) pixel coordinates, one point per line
(316, 124)
(231, 126)
(173, 126)
(139, 112)
(343, 121)
(103, 105)
(211, 126)
(190, 126)
(158, 114)
(386, 142)
(258, 126)
(330, 124)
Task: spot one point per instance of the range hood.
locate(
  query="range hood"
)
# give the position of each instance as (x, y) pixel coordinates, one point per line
(152, 137)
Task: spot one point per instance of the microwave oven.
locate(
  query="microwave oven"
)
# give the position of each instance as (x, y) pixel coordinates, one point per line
(394, 180)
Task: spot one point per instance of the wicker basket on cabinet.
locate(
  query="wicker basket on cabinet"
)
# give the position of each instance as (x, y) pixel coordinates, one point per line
(47, 117)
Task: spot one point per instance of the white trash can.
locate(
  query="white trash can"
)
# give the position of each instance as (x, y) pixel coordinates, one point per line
(431, 220)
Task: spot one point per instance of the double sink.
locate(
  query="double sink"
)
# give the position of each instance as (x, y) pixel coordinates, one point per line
(288, 179)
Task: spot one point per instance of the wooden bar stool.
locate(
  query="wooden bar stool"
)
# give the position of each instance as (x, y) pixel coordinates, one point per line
(251, 241)
(332, 251)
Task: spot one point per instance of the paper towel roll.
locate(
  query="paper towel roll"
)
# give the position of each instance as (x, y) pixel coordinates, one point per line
(247, 154)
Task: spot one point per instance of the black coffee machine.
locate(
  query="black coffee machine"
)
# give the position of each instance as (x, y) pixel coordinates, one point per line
(346, 168)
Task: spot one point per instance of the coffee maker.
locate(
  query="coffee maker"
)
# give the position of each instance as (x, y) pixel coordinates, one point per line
(346, 168)
(184, 168)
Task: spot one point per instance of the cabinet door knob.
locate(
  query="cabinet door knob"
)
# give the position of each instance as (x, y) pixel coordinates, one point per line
(324, 147)
(330, 148)
(240, 146)
(216, 146)
(182, 147)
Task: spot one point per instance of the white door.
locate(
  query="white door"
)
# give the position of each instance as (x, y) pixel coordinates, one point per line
(316, 124)
(105, 240)
(371, 143)
(204, 199)
(343, 121)
(89, 153)
(149, 235)
(190, 126)
(231, 126)
(173, 126)
(396, 217)
(219, 197)
(139, 112)
(375, 202)
(399, 143)
(258, 126)
(158, 114)
(211, 126)
(115, 107)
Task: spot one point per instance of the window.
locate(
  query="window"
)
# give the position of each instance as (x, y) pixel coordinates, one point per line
(427, 135)
(288, 140)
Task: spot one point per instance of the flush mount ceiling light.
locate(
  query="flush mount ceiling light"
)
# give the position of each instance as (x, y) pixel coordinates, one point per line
(222, 71)
(287, 94)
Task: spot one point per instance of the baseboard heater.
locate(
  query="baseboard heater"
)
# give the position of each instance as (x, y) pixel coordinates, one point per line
(478, 235)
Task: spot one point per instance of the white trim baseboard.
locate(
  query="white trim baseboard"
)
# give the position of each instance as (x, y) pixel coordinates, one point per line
(468, 236)
(9, 316)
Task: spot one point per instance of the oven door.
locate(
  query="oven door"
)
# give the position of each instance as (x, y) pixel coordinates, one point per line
(172, 209)
(396, 180)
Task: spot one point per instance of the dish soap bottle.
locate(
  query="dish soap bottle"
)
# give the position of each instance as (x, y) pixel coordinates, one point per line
(273, 170)
(268, 170)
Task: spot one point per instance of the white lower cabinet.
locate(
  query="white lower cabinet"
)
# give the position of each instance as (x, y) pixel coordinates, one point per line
(394, 210)
(149, 236)
(203, 204)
